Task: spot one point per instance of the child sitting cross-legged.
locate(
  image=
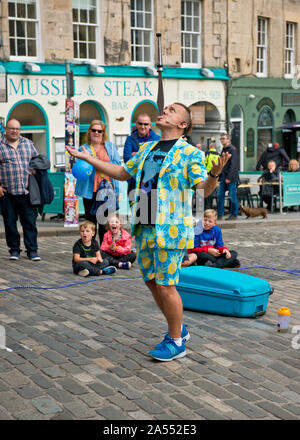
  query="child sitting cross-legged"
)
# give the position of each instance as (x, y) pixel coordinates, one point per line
(209, 249)
(87, 259)
(116, 244)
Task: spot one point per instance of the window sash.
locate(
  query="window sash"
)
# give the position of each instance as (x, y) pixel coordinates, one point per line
(23, 31)
(85, 29)
(262, 46)
(191, 32)
(141, 15)
(289, 49)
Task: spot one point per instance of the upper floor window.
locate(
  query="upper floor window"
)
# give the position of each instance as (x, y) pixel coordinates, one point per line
(85, 29)
(191, 32)
(23, 28)
(262, 47)
(289, 49)
(142, 31)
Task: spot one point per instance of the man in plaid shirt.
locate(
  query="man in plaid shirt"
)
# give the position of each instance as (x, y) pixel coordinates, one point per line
(15, 155)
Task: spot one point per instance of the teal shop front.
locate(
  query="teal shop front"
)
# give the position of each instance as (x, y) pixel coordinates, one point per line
(257, 108)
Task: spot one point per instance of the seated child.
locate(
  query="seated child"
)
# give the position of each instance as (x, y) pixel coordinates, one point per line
(87, 259)
(116, 244)
(209, 248)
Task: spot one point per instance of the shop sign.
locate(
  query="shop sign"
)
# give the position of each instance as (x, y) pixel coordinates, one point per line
(291, 189)
(58, 87)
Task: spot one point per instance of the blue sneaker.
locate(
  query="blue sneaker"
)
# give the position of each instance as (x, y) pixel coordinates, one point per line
(109, 270)
(184, 334)
(14, 255)
(33, 256)
(168, 351)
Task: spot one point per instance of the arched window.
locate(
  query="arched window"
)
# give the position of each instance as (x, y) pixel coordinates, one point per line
(34, 124)
(148, 107)
(265, 127)
(236, 131)
(88, 111)
(289, 117)
(236, 112)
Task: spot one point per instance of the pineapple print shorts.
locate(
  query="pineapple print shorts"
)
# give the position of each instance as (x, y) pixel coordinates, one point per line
(163, 265)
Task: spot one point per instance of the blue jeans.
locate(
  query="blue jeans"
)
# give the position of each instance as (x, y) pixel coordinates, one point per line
(231, 188)
(14, 207)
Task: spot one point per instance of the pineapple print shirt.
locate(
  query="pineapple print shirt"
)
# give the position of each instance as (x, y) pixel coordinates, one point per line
(182, 169)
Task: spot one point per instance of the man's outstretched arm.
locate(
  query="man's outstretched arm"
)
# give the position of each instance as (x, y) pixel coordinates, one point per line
(115, 171)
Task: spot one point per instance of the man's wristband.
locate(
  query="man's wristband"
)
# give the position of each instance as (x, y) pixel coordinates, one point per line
(213, 175)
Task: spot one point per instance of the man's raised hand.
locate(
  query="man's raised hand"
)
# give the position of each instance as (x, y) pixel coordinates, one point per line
(84, 154)
(222, 161)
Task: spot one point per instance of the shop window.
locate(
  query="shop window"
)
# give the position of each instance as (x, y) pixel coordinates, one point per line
(85, 29)
(28, 114)
(88, 112)
(34, 124)
(289, 117)
(23, 28)
(142, 31)
(145, 107)
(264, 130)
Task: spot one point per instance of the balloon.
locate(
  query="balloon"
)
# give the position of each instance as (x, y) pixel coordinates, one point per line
(82, 170)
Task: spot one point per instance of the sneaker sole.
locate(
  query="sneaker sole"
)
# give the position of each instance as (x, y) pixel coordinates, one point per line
(178, 356)
(13, 258)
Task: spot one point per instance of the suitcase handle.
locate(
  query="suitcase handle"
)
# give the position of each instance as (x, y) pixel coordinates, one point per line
(271, 291)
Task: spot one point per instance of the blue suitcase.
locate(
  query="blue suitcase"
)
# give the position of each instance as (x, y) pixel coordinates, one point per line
(224, 292)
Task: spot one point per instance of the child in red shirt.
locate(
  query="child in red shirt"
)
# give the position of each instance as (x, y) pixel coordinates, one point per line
(116, 245)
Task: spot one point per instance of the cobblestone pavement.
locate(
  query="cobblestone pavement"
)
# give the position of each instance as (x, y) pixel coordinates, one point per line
(80, 352)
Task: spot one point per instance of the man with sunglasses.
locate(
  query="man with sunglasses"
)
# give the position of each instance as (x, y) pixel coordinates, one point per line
(142, 133)
(16, 153)
(175, 169)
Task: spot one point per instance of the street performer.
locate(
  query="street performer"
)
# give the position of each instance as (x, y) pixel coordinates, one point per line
(166, 174)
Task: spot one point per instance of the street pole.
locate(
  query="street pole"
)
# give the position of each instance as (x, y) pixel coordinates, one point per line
(160, 92)
(69, 79)
(280, 192)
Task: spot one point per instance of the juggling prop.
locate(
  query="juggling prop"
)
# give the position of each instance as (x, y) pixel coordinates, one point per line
(82, 170)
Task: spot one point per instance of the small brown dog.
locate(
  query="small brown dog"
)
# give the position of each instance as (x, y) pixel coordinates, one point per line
(253, 212)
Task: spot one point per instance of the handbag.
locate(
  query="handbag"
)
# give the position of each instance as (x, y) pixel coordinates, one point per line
(106, 201)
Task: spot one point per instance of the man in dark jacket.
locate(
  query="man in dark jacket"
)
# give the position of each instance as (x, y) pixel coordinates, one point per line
(273, 152)
(229, 179)
(143, 133)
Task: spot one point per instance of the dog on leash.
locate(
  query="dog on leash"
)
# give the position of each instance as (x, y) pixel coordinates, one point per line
(253, 212)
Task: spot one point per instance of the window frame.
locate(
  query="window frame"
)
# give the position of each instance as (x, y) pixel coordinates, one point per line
(289, 49)
(38, 38)
(151, 62)
(199, 35)
(98, 45)
(262, 47)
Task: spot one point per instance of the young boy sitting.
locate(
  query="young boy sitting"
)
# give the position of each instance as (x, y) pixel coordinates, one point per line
(87, 259)
(209, 248)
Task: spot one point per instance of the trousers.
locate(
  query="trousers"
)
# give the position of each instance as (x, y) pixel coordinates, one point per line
(232, 189)
(94, 269)
(220, 262)
(16, 207)
(114, 261)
